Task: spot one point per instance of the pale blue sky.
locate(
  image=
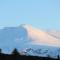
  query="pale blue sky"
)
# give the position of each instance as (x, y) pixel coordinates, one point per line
(43, 14)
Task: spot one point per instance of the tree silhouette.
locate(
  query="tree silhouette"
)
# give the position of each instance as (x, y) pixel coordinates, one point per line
(0, 51)
(58, 57)
(15, 52)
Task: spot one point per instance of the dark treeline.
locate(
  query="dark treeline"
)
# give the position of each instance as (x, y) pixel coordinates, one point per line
(15, 55)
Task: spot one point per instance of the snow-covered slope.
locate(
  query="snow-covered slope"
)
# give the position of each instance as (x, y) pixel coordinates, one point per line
(41, 37)
(28, 40)
(54, 33)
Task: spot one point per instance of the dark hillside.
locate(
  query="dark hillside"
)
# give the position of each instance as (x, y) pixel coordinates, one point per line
(17, 56)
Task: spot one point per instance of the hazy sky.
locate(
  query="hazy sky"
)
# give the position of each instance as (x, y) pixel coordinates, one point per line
(43, 14)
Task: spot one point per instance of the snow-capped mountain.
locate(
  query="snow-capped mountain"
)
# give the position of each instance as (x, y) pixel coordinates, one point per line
(29, 41)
